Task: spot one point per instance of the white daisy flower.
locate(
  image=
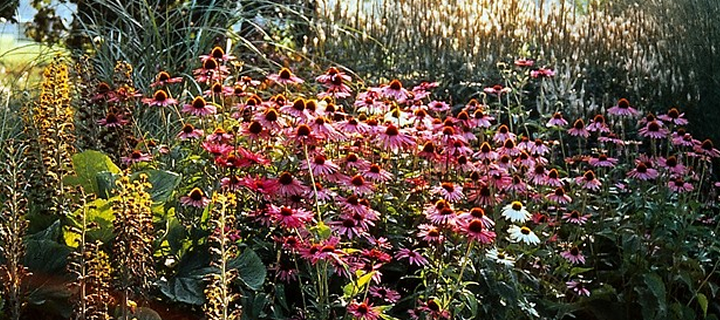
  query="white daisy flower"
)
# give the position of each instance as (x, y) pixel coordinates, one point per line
(523, 234)
(500, 257)
(516, 212)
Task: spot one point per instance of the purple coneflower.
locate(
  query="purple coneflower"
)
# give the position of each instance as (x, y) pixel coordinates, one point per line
(653, 130)
(196, 198)
(578, 129)
(290, 218)
(112, 120)
(285, 77)
(575, 217)
(363, 310)
(414, 257)
(559, 196)
(164, 78)
(674, 116)
(449, 191)
(136, 156)
(430, 233)
(589, 181)
(623, 109)
(678, 185)
(557, 120)
(603, 161)
(578, 288)
(394, 139)
(289, 186)
(188, 131)
(198, 107)
(160, 99)
(643, 172)
(574, 255)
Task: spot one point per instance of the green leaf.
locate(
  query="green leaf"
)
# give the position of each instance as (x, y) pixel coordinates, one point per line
(187, 284)
(99, 212)
(657, 289)
(163, 183)
(87, 165)
(323, 231)
(362, 281)
(577, 270)
(703, 301)
(251, 270)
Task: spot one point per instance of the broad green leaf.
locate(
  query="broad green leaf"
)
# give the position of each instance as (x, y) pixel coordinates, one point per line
(703, 301)
(251, 270)
(163, 183)
(362, 281)
(87, 165)
(98, 212)
(187, 284)
(323, 230)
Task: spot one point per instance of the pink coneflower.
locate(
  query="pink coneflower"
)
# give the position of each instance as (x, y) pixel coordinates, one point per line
(557, 120)
(678, 185)
(509, 148)
(430, 233)
(574, 255)
(210, 71)
(484, 196)
(517, 185)
(136, 156)
(352, 126)
(302, 134)
(160, 99)
(219, 90)
(502, 134)
(358, 185)
(441, 214)
(497, 90)
(537, 175)
(414, 257)
(363, 310)
(589, 181)
(289, 186)
(219, 136)
(334, 79)
(598, 124)
(463, 164)
(478, 213)
(103, 92)
(486, 152)
(623, 108)
(559, 196)
(707, 148)
(352, 161)
(112, 120)
(231, 183)
(672, 164)
(349, 227)
(198, 107)
(433, 309)
(285, 77)
(297, 109)
(438, 106)
(164, 78)
(674, 116)
(285, 272)
(448, 191)
(395, 90)
(542, 73)
(217, 149)
(395, 139)
(538, 147)
(321, 166)
(290, 218)
(217, 53)
(377, 174)
(523, 62)
(654, 130)
(384, 293)
(196, 198)
(188, 131)
(643, 172)
(682, 138)
(322, 127)
(552, 178)
(481, 119)
(578, 129)
(603, 161)
(475, 229)
(575, 217)
(578, 288)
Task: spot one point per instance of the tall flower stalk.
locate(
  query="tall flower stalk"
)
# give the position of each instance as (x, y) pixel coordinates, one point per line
(13, 225)
(221, 301)
(133, 250)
